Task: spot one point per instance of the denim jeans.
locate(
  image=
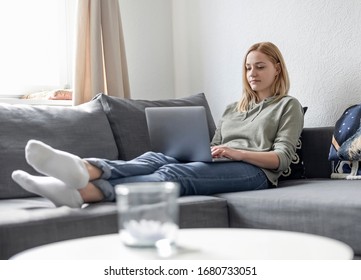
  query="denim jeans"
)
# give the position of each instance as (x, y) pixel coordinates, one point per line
(195, 178)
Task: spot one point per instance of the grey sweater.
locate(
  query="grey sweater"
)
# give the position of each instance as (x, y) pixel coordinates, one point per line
(266, 126)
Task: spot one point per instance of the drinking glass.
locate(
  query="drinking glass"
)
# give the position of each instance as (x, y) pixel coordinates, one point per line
(147, 213)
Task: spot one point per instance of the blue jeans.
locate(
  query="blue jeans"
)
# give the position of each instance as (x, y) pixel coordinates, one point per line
(195, 178)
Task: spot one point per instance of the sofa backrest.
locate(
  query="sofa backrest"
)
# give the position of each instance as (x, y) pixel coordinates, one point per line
(316, 142)
(83, 130)
(129, 125)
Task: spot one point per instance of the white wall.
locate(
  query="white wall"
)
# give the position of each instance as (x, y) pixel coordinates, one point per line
(320, 40)
(148, 35)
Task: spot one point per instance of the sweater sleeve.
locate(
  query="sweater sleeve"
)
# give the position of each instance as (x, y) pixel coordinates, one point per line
(289, 131)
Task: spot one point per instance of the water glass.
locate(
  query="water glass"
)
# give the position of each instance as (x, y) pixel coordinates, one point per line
(147, 213)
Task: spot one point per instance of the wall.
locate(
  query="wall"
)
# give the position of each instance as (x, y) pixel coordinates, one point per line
(148, 35)
(207, 40)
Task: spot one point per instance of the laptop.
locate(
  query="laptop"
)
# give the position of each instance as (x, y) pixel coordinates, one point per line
(180, 132)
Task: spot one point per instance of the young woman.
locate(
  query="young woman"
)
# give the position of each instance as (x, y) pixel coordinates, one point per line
(259, 133)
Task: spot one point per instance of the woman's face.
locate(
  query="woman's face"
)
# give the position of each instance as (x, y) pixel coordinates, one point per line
(261, 73)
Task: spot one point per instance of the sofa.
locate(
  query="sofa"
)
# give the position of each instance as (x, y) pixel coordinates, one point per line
(306, 200)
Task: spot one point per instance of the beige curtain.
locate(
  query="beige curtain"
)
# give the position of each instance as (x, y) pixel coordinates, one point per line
(100, 62)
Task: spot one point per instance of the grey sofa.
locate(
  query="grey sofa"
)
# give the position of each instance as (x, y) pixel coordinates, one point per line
(113, 128)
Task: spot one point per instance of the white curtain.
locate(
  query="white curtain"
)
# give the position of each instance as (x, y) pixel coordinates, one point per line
(100, 61)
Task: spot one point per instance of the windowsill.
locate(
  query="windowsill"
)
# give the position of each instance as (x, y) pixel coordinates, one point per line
(36, 101)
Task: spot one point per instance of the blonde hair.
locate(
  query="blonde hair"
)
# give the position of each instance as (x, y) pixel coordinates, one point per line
(281, 84)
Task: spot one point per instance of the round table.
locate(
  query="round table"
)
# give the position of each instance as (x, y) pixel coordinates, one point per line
(201, 244)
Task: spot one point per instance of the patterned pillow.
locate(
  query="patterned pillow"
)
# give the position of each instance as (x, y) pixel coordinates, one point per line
(296, 170)
(61, 94)
(345, 150)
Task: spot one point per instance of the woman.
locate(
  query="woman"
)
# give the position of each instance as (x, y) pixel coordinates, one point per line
(259, 134)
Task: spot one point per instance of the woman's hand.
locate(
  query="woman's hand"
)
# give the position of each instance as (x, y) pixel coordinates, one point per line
(269, 160)
(223, 151)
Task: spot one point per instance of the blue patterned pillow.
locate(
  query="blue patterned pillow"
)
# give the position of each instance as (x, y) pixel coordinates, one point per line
(345, 150)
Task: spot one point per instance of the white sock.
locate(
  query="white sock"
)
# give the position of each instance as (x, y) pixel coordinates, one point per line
(51, 188)
(64, 166)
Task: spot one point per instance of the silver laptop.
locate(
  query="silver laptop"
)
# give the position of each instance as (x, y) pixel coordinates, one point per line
(180, 132)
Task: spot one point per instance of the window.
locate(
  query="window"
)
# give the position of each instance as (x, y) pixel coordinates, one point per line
(36, 46)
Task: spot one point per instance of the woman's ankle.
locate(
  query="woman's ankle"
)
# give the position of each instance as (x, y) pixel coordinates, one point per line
(91, 194)
(93, 171)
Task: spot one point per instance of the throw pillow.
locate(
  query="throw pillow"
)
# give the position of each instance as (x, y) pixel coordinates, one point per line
(83, 130)
(296, 170)
(129, 125)
(61, 94)
(345, 150)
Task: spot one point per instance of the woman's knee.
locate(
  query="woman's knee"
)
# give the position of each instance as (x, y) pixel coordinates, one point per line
(150, 157)
(154, 158)
(173, 172)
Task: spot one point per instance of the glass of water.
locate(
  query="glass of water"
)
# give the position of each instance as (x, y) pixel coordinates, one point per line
(147, 213)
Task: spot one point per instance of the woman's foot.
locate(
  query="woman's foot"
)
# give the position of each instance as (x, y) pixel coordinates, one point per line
(51, 188)
(64, 166)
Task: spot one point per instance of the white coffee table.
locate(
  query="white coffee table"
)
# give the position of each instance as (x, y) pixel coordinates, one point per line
(201, 244)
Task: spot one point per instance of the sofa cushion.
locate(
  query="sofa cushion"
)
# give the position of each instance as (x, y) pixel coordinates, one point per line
(38, 222)
(323, 207)
(82, 130)
(197, 211)
(128, 122)
(30, 222)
